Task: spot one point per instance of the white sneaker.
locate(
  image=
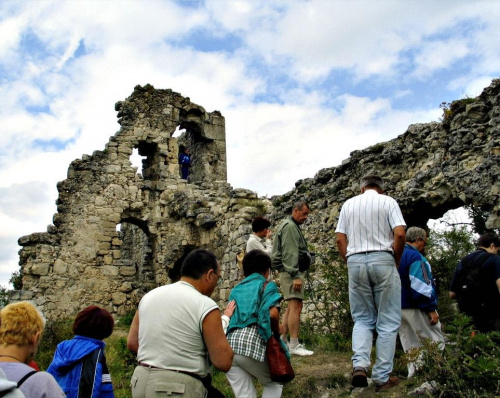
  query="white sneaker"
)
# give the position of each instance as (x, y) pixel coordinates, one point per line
(300, 350)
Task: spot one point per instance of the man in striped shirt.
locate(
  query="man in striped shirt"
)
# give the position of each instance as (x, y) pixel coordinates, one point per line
(371, 238)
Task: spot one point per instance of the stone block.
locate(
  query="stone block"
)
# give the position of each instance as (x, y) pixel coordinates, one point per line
(128, 271)
(40, 269)
(118, 298)
(108, 270)
(60, 267)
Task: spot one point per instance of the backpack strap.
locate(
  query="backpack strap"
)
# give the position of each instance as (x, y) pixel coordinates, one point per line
(25, 377)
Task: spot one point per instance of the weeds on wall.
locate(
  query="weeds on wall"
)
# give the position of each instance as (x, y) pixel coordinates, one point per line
(328, 294)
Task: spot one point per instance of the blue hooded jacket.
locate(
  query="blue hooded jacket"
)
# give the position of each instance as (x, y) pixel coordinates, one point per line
(417, 284)
(79, 366)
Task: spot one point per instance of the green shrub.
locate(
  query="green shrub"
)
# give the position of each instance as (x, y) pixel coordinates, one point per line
(54, 333)
(328, 293)
(126, 320)
(121, 365)
(470, 364)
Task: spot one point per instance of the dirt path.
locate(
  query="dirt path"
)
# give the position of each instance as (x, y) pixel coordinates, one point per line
(325, 375)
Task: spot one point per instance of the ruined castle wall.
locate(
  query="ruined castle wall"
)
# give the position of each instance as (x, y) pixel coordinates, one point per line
(117, 232)
(429, 169)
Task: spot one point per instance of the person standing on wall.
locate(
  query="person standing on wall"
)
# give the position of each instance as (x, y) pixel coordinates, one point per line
(290, 256)
(371, 238)
(261, 237)
(184, 161)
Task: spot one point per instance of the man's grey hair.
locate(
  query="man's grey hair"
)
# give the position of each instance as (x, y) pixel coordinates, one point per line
(415, 233)
(372, 181)
(299, 205)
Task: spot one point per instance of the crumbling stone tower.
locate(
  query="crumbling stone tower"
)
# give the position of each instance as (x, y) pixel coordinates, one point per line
(117, 229)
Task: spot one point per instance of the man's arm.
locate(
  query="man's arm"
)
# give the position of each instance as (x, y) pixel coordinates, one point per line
(133, 334)
(498, 284)
(219, 350)
(399, 242)
(342, 245)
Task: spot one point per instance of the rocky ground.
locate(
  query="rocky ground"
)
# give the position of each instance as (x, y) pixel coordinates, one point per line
(326, 375)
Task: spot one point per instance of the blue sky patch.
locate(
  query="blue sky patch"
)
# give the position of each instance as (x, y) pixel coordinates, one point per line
(203, 40)
(53, 144)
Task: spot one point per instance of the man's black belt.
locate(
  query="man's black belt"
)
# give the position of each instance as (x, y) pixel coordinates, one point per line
(371, 251)
(207, 380)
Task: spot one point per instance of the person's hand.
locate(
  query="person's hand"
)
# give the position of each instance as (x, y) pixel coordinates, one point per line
(282, 328)
(434, 316)
(297, 285)
(230, 308)
(268, 234)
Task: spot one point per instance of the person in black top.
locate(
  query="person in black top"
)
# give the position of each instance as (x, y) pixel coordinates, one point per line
(476, 284)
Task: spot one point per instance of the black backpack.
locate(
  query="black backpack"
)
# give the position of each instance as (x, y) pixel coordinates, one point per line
(471, 296)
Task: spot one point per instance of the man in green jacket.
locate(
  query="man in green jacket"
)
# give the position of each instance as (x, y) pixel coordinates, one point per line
(290, 251)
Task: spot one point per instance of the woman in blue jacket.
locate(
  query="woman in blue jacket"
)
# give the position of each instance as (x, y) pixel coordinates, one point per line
(79, 364)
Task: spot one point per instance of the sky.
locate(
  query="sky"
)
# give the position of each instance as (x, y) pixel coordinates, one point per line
(300, 83)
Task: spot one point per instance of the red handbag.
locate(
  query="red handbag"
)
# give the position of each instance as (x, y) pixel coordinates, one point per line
(279, 365)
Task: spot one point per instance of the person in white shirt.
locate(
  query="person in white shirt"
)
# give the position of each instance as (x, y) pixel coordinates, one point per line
(177, 333)
(261, 237)
(371, 239)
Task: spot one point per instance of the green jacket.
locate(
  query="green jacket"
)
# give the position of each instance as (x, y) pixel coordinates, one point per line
(253, 304)
(288, 245)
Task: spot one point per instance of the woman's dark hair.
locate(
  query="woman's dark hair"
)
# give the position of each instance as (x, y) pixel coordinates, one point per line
(256, 262)
(94, 322)
(260, 224)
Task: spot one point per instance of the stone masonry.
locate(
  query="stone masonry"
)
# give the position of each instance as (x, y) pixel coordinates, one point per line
(118, 230)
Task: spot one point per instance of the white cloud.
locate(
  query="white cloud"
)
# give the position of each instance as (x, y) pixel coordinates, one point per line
(372, 52)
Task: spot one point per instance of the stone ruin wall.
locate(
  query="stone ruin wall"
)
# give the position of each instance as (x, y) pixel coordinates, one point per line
(82, 259)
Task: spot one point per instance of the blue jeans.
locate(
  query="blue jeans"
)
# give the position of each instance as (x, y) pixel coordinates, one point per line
(375, 301)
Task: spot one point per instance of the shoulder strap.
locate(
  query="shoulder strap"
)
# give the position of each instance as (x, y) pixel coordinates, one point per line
(25, 377)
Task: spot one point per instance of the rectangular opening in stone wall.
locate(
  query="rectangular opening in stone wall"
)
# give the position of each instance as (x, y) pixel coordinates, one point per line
(148, 153)
(136, 160)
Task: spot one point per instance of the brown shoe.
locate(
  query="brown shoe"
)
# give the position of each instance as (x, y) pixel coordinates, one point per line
(393, 381)
(359, 378)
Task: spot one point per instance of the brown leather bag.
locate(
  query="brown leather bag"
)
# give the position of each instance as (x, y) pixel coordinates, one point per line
(279, 366)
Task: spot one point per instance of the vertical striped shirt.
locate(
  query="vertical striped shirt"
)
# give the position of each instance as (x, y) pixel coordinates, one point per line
(368, 221)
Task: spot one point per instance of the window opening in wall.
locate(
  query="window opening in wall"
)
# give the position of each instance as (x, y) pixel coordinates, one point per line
(137, 251)
(137, 160)
(178, 132)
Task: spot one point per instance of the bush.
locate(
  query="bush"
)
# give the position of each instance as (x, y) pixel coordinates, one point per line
(121, 364)
(328, 294)
(54, 333)
(470, 364)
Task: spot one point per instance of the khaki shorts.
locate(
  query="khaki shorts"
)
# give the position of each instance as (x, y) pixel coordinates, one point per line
(153, 382)
(286, 283)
